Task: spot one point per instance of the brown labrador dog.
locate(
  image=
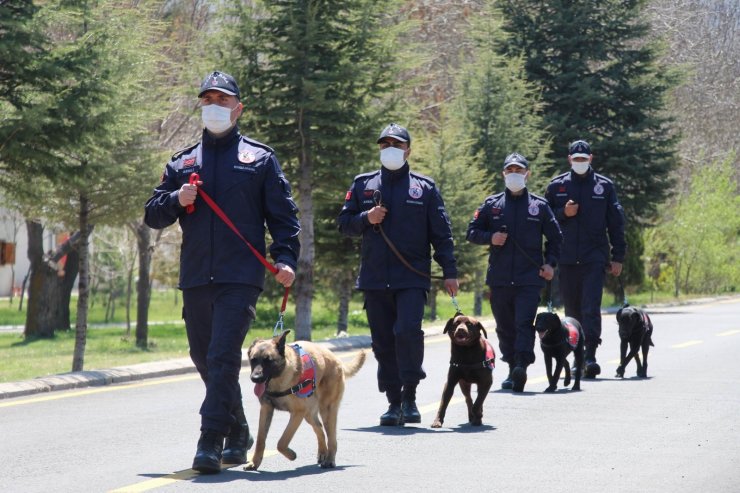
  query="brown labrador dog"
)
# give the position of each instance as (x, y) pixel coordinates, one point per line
(472, 359)
(305, 379)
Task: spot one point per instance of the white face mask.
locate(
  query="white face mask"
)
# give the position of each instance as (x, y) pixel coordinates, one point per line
(580, 168)
(216, 118)
(392, 158)
(515, 182)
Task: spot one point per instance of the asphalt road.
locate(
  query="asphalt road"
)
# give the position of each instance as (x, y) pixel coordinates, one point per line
(676, 431)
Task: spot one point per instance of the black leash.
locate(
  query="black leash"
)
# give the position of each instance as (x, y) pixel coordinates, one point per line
(624, 293)
(379, 228)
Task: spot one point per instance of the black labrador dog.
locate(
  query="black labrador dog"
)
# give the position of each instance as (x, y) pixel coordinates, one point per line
(472, 360)
(635, 330)
(558, 338)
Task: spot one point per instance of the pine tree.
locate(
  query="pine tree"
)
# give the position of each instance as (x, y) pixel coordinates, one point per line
(311, 72)
(601, 81)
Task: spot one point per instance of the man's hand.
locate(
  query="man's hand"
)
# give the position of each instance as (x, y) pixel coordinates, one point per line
(451, 286)
(571, 209)
(285, 275)
(376, 214)
(547, 272)
(187, 194)
(615, 268)
(499, 238)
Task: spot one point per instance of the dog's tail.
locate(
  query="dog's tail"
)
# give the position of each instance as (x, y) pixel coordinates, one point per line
(351, 368)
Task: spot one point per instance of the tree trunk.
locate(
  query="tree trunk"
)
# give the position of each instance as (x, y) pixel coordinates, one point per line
(44, 313)
(432, 303)
(346, 285)
(143, 284)
(71, 269)
(303, 288)
(478, 294)
(78, 359)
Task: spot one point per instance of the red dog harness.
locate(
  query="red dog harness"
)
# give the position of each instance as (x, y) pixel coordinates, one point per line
(573, 334)
(489, 360)
(307, 381)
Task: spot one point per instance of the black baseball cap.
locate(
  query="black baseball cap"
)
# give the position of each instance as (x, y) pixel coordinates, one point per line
(395, 131)
(579, 148)
(219, 81)
(517, 159)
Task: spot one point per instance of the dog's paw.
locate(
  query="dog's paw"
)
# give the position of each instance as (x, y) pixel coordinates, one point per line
(251, 466)
(642, 374)
(288, 453)
(550, 389)
(576, 388)
(620, 372)
(327, 464)
(437, 423)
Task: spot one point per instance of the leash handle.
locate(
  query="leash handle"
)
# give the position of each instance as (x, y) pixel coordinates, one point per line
(549, 296)
(194, 180)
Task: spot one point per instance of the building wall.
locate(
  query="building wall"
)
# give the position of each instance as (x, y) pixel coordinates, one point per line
(13, 229)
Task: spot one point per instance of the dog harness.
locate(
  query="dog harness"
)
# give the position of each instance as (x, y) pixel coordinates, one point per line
(307, 381)
(489, 360)
(573, 334)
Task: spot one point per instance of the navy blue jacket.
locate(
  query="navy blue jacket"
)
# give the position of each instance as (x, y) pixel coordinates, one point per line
(416, 218)
(527, 218)
(599, 215)
(244, 178)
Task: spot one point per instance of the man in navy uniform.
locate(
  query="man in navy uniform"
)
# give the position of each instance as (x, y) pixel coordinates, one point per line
(512, 224)
(410, 210)
(220, 278)
(586, 206)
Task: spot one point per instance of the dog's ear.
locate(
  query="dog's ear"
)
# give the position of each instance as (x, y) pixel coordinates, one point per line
(450, 325)
(482, 329)
(251, 346)
(281, 341)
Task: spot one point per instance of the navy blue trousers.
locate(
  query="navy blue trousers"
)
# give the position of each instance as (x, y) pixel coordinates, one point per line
(395, 317)
(514, 308)
(217, 318)
(581, 287)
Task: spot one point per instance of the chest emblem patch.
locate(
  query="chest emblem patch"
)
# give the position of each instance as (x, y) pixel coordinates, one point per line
(534, 209)
(598, 189)
(186, 163)
(247, 157)
(415, 192)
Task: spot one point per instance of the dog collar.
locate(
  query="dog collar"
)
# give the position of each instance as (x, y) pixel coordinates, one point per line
(489, 360)
(307, 381)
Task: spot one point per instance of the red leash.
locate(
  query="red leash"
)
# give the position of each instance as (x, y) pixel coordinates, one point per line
(195, 180)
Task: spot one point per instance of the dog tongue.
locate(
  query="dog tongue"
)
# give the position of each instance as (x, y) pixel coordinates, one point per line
(259, 389)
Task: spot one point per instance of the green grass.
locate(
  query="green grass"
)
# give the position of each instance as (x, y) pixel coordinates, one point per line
(108, 347)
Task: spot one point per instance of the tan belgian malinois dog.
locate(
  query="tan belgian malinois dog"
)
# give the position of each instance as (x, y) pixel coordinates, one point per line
(305, 379)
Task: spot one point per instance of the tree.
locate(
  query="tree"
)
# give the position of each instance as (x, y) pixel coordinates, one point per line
(698, 237)
(89, 127)
(601, 81)
(314, 69)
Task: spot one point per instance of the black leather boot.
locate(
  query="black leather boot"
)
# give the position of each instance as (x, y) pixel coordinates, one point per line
(238, 441)
(208, 457)
(411, 413)
(519, 375)
(508, 384)
(591, 367)
(393, 416)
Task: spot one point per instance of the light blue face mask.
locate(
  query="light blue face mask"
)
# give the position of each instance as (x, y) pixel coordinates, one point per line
(392, 158)
(216, 118)
(515, 182)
